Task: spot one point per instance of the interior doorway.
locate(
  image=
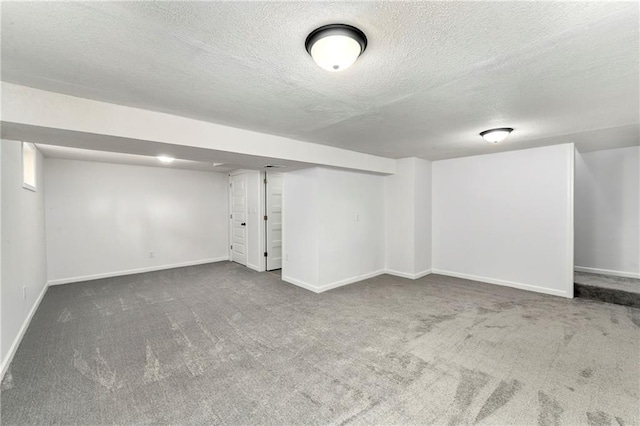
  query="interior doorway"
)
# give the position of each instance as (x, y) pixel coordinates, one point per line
(238, 218)
(273, 220)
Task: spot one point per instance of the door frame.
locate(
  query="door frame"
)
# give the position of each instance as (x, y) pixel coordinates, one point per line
(246, 215)
(254, 212)
(265, 206)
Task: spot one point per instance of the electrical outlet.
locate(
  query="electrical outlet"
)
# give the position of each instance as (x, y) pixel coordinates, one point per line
(151, 255)
(24, 292)
(357, 217)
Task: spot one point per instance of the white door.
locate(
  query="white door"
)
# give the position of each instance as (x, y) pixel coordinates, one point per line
(239, 218)
(274, 220)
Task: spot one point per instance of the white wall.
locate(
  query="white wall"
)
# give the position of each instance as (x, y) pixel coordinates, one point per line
(300, 230)
(400, 218)
(333, 225)
(351, 226)
(607, 211)
(408, 218)
(506, 218)
(23, 248)
(105, 219)
(423, 219)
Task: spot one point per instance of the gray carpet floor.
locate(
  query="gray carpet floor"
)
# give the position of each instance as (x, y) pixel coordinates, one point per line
(631, 285)
(607, 288)
(221, 344)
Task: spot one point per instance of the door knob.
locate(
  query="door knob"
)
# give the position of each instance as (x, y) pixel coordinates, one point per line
(243, 224)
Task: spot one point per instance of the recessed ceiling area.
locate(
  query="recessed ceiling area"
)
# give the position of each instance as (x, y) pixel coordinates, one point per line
(433, 76)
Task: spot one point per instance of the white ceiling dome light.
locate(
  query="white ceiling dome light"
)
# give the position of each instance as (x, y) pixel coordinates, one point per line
(496, 135)
(336, 47)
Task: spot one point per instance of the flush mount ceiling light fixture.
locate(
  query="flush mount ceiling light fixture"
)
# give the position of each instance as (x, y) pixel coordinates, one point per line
(165, 159)
(336, 47)
(496, 135)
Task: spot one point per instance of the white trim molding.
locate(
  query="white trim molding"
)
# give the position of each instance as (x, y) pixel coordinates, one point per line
(505, 283)
(571, 239)
(16, 342)
(253, 267)
(135, 271)
(351, 280)
(336, 284)
(623, 274)
(302, 284)
(408, 275)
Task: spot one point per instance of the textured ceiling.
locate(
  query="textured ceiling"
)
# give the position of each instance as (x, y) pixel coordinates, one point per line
(434, 74)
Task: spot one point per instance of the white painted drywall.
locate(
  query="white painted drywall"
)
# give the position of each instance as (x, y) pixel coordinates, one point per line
(32, 107)
(400, 218)
(607, 211)
(507, 218)
(408, 218)
(104, 219)
(23, 248)
(300, 230)
(351, 226)
(333, 225)
(422, 190)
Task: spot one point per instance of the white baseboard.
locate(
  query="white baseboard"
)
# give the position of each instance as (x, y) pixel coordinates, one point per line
(351, 280)
(16, 342)
(506, 283)
(254, 267)
(623, 274)
(408, 275)
(299, 283)
(135, 271)
(336, 284)
(320, 289)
